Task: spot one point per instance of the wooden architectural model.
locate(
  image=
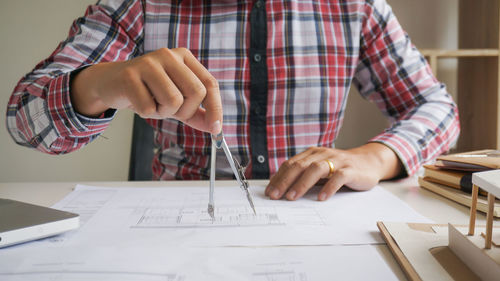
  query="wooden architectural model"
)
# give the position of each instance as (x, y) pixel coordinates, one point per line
(480, 252)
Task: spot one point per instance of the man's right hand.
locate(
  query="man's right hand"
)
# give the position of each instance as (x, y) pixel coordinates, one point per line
(167, 83)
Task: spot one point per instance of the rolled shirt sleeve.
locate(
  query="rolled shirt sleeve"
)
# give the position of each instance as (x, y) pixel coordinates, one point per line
(394, 75)
(40, 113)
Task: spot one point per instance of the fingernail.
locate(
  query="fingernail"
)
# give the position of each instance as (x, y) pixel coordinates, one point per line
(275, 194)
(268, 189)
(291, 195)
(216, 127)
(322, 196)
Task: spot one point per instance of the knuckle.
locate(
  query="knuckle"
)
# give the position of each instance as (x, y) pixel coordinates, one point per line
(342, 173)
(199, 91)
(312, 149)
(316, 165)
(211, 83)
(148, 61)
(148, 110)
(287, 165)
(129, 74)
(176, 102)
(182, 51)
(300, 165)
(166, 53)
(348, 163)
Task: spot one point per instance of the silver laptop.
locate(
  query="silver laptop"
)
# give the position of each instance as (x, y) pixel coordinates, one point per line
(21, 222)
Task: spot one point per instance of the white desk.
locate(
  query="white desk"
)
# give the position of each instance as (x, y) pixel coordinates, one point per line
(426, 203)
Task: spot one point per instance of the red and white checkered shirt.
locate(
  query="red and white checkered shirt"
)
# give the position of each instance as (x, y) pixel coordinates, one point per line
(315, 51)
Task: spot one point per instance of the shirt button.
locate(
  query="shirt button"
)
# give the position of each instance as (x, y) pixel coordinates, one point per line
(261, 159)
(257, 58)
(259, 4)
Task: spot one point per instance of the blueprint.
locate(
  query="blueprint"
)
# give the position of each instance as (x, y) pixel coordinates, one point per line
(178, 215)
(167, 234)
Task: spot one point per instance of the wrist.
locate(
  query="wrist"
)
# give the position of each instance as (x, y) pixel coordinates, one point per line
(383, 160)
(84, 94)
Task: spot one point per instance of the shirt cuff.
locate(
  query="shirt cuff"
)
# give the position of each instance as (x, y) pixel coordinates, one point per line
(67, 122)
(404, 149)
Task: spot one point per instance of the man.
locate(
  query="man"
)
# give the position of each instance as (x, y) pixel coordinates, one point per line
(274, 75)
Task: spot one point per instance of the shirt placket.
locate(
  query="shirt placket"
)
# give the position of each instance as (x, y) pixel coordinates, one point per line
(258, 91)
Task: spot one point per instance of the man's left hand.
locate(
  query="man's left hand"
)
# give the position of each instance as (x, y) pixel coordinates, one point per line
(360, 168)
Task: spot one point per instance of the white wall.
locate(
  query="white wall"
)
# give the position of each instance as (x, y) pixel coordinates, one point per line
(30, 30)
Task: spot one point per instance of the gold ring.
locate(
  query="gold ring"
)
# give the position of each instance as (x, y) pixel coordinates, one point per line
(332, 168)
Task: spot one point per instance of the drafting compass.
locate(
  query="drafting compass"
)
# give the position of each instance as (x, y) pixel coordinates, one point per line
(219, 142)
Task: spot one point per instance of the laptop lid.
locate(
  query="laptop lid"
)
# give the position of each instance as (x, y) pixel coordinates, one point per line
(21, 222)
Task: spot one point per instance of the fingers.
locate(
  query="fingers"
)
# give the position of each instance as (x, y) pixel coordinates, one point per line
(283, 170)
(197, 86)
(339, 178)
(191, 87)
(161, 84)
(139, 96)
(297, 175)
(212, 102)
(311, 175)
(198, 120)
(308, 179)
(291, 174)
(166, 94)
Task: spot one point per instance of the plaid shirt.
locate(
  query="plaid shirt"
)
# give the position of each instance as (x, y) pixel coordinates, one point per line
(315, 51)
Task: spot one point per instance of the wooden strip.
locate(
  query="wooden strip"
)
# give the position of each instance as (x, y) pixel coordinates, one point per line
(498, 84)
(408, 269)
(473, 209)
(489, 221)
(443, 53)
(492, 241)
(433, 61)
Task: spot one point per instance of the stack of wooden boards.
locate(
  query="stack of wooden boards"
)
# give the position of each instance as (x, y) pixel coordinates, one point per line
(451, 176)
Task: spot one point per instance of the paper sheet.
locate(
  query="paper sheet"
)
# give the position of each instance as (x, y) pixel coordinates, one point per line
(166, 234)
(178, 216)
(194, 264)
